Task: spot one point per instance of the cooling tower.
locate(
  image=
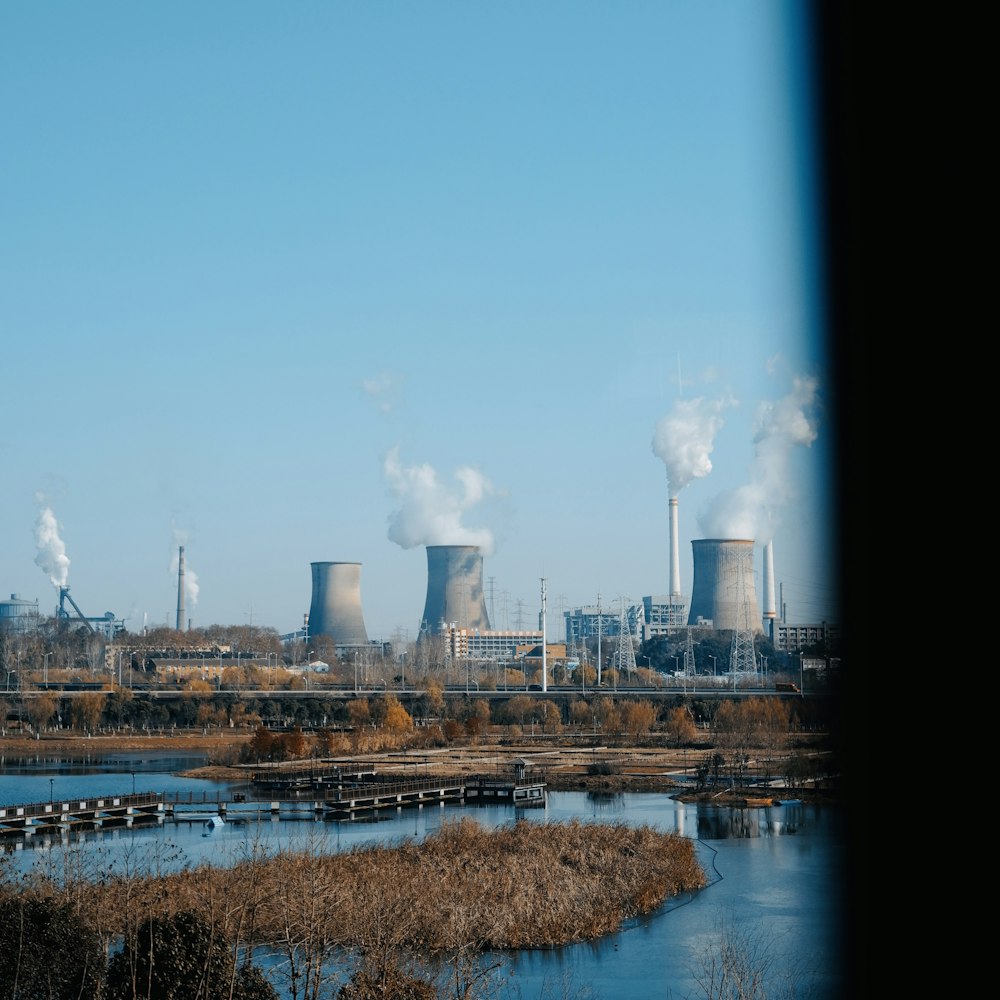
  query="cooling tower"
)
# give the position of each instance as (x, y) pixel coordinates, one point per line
(723, 589)
(455, 588)
(180, 590)
(335, 610)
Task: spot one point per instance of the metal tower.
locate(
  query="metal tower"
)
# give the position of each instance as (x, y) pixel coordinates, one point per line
(626, 650)
(742, 659)
(689, 665)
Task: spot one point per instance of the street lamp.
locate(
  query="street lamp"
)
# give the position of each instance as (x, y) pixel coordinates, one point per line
(45, 668)
(802, 685)
(355, 671)
(51, 782)
(712, 658)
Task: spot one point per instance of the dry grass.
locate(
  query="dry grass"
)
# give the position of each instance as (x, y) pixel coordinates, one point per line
(528, 885)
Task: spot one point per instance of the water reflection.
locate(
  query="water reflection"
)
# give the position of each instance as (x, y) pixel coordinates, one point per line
(778, 867)
(716, 823)
(605, 802)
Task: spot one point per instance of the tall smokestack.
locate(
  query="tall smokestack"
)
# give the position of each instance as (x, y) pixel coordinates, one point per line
(770, 605)
(335, 610)
(180, 590)
(723, 590)
(455, 588)
(675, 555)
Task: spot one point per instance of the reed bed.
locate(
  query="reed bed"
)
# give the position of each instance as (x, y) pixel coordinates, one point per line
(527, 885)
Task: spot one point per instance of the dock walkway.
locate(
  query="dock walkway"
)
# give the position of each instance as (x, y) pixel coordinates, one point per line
(280, 799)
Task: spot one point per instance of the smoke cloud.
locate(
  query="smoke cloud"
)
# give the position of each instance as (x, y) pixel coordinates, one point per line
(750, 511)
(51, 555)
(428, 512)
(684, 439)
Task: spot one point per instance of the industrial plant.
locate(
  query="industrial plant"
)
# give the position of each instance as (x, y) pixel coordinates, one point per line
(723, 598)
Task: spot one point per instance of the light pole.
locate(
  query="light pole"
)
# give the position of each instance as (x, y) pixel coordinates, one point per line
(51, 782)
(45, 668)
(712, 658)
(355, 671)
(802, 685)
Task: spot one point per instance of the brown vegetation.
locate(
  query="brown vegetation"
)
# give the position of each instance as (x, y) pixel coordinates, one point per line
(463, 891)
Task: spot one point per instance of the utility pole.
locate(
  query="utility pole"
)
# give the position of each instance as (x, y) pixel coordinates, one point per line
(545, 674)
(599, 630)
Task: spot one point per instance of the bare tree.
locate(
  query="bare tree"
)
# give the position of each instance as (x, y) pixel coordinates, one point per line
(744, 962)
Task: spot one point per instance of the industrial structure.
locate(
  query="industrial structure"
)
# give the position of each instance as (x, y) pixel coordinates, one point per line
(335, 610)
(18, 616)
(180, 590)
(770, 602)
(723, 595)
(454, 590)
(672, 613)
(107, 625)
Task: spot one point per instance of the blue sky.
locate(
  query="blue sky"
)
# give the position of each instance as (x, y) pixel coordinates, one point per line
(334, 281)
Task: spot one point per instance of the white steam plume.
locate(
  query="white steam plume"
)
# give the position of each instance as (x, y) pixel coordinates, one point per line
(430, 513)
(51, 555)
(684, 439)
(750, 511)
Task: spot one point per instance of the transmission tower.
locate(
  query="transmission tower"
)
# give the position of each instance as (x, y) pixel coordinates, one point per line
(519, 619)
(626, 651)
(689, 665)
(742, 659)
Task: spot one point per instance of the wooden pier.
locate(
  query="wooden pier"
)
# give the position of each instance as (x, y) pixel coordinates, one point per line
(285, 797)
(80, 815)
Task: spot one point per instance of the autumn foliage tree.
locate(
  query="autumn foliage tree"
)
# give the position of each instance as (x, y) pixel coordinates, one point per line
(680, 726)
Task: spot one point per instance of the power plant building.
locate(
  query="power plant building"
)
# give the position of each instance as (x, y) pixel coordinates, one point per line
(663, 614)
(791, 638)
(590, 621)
(497, 646)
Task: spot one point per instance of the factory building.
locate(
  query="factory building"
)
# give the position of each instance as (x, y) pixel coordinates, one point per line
(791, 638)
(591, 620)
(663, 614)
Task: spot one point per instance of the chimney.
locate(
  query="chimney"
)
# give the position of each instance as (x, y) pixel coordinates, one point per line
(722, 590)
(455, 588)
(770, 605)
(335, 610)
(675, 556)
(180, 590)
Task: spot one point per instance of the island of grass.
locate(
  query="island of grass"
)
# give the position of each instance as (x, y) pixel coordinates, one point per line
(379, 912)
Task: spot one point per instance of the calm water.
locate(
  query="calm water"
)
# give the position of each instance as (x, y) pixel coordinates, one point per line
(777, 873)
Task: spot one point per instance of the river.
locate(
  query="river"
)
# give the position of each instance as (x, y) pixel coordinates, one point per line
(776, 873)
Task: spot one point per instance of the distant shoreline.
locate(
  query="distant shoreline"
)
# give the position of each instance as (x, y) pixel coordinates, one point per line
(564, 768)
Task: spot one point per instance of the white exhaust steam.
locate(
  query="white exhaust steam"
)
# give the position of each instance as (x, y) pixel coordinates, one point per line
(51, 556)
